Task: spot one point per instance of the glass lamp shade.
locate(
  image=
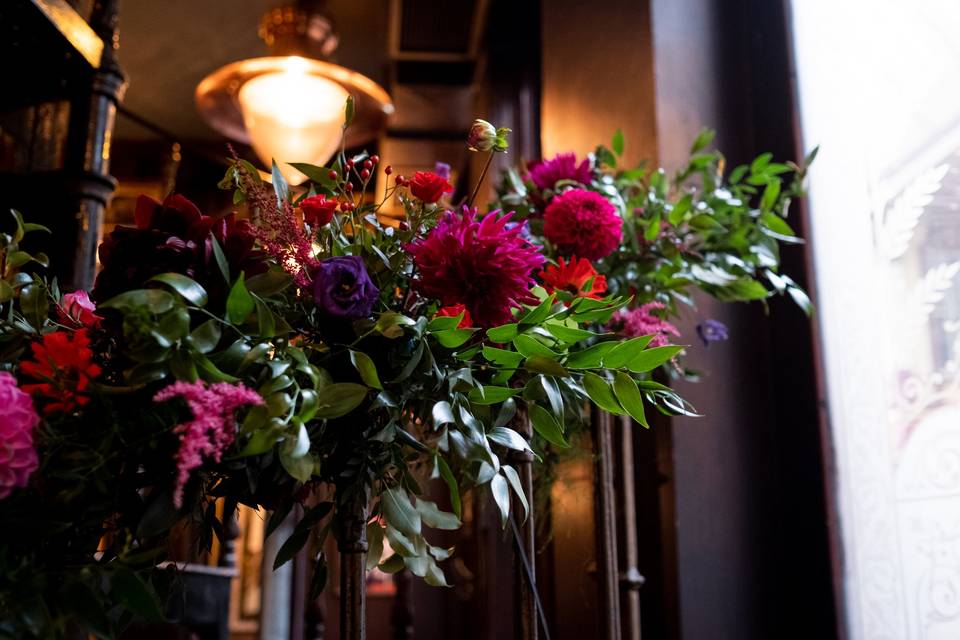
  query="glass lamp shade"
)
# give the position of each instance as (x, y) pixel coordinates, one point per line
(290, 108)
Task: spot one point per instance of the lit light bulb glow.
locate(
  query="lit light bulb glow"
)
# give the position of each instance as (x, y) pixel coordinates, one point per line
(293, 116)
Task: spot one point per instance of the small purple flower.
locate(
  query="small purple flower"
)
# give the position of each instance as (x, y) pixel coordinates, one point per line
(712, 331)
(342, 288)
(442, 169)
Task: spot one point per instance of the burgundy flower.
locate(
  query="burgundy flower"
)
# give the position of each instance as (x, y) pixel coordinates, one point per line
(428, 186)
(545, 174)
(317, 210)
(342, 288)
(582, 223)
(173, 237)
(482, 265)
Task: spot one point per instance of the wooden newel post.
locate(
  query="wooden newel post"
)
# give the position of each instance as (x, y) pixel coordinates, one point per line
(352, 545)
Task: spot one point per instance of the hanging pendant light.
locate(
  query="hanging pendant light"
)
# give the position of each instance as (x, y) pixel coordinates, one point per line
(289, 106)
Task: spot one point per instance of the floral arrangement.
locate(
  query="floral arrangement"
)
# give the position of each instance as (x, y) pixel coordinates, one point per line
(325, 356)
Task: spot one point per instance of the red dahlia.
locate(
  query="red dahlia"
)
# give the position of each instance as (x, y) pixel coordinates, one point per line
(582, 223)
(574, 278)
(482, 265)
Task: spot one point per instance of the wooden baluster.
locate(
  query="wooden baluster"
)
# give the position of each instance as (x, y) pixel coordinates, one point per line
(401, 617)
(527, 628)
(631, 580)
(607, 564)
(352, 545)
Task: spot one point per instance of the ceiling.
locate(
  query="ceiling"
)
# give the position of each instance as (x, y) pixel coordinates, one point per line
(167, 47)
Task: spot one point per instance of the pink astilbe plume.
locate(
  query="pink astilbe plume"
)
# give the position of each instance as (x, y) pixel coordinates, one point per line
(213, 427)
(642, 322)
(485, 265)
(277, 230)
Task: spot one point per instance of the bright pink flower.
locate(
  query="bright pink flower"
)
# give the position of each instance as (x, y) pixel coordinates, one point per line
(545, 174)
(18, 418)
(213, 427)
(642, 322)
(80, 309)
(582, 223)
(482, 265)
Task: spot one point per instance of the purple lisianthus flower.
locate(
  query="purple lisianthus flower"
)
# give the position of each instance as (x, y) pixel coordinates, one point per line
(442, 169)
(342, 288)
(712, 331)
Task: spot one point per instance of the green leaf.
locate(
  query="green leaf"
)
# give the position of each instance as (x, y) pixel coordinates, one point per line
(280, 186)
(375, 544)
(443, 323)
(436, 519)
(680, 209)
(704, 138)
(629, 396)
(349, 111)
(491, 394)
(546, 425)
(653, 227)
(222, 264)
(277, 517)
(6, 291)
(442, 414)
(453, 338)
(316, 174)
(625, 352)
(508, 438)
(540, 313)
(186, 287)
(392, 564)
(618, 143)
(770, 195)
(319, 579)
(240, 303)
(591, 357)
(155, 301)
(206, 337)
(447, 474)
(34, 306)
(269, 283)
(569, 335)
(299, 467)
(399, 512)
(800, 297)
(501, 496)
(652, 358)
(502, 334)
(502, 357)
(390, 324)
(340, 398)
(530, 346)
(514, 479)
(599, 391)
(543, 364)
(127, 588)
(777, 224)
(366, 368)
(291, 547)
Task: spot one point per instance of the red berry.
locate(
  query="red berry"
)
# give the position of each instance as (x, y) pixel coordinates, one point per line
(348, 186)
(349, 164)
(368, 164)
(388, 170)
(364, 174)
(375, 159)
(401, 180)
(404, 225)
(332, 175)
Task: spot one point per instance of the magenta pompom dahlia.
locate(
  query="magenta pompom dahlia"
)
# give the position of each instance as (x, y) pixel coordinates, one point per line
(18, 418)
(582, 223)
(545, 174)
(482, 265)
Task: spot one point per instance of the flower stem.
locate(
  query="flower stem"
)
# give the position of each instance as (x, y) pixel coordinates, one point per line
(483, 174)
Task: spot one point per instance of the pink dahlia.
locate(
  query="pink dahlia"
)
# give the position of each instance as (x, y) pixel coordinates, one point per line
(483, 265)
(18, 418)
(582, 223)
(545, 174)
(213, 427)
(642, 322)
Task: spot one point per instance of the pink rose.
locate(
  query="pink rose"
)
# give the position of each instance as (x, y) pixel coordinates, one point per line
(80, 308)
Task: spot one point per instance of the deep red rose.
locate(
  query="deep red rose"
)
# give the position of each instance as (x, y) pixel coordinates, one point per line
(428, 186)
(317, 210)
